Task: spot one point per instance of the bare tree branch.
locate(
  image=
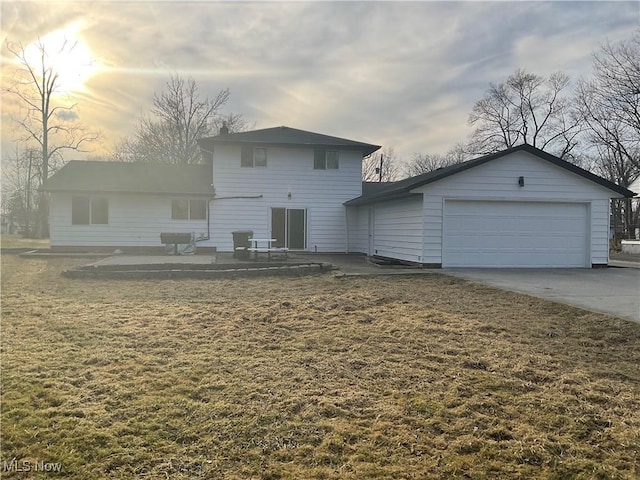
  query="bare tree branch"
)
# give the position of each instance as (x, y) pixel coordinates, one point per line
(609, 104)
(36, 84)
(423, 163)
(179, 118)
(381, 167)
(526, 108)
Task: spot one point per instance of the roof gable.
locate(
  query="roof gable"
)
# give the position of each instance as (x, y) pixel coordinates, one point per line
(123, 177)
(403, 187)
(287, 137)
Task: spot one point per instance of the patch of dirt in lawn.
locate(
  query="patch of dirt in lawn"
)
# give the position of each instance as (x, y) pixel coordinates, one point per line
(317, 377)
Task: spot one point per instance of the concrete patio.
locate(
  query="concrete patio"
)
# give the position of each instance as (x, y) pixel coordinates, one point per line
(614, 291)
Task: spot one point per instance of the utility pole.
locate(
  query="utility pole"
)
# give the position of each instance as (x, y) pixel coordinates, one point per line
(380, 169)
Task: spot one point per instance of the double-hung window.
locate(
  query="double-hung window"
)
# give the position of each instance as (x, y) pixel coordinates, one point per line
(87, 210)
(325, 160)
(183, 209)
(253, 156)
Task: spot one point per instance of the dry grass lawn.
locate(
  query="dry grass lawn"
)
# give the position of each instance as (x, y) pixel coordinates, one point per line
(17, 241)
(314, 378)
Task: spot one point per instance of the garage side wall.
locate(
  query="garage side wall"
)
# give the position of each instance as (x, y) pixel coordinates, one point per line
(498, 180)
(398, 229)
(358, 229)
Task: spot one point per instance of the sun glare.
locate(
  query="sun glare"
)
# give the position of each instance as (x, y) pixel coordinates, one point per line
(69, 56)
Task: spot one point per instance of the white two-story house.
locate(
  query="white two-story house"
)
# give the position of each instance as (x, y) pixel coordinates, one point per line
(285, 184)
(521, 207)
(280, 183)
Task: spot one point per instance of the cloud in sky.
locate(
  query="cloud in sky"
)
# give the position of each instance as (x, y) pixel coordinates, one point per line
(401, 74)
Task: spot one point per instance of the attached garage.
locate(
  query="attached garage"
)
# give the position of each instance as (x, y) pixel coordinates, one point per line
(520, 208)
(515, 234)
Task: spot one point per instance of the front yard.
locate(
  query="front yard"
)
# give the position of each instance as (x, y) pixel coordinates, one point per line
(17, 241)
(316, 377)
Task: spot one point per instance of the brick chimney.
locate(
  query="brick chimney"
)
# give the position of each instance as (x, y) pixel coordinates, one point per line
(224, 130)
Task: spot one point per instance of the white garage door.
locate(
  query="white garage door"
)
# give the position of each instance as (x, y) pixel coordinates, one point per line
(515, 234)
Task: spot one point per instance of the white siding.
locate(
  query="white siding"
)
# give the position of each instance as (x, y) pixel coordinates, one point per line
(134, 220)
(288, 170)
(358, 225)
(398, 229)
(600, 231)
(498, 180)
(138, 220)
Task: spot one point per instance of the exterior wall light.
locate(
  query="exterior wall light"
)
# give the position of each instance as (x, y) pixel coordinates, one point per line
(521, 181)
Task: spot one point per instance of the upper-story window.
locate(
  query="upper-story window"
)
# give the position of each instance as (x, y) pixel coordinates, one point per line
(325, 160)
(253, 156)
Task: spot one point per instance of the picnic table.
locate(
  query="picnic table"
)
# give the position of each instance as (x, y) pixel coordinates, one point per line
(265, 245)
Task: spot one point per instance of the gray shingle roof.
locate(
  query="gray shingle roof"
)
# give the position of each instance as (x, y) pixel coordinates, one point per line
(369, 188)
(402, 188)
(288, 137)
(123, 177)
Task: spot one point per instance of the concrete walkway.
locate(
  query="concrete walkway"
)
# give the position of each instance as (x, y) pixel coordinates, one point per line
(614, 291)
(347, 264)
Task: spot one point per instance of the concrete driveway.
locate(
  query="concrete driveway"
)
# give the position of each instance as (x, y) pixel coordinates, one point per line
(615, 291)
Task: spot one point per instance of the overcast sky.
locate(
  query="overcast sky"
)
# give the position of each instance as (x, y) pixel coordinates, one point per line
(400, 74)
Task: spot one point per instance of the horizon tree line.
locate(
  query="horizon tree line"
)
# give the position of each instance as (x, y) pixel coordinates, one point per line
(594, 123)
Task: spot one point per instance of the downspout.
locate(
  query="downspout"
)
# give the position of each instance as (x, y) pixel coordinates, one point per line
(346, 224)
(208, 237)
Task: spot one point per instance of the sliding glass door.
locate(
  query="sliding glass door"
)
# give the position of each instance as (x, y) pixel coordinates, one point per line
(289, 227)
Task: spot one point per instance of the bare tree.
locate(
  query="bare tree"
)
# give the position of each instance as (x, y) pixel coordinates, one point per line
(525, 109)
(17, 197)
(381, 167)
(178, 119)
(44, 118)
(423, 162)
(617, 72)
(609, 104)
(21, 178)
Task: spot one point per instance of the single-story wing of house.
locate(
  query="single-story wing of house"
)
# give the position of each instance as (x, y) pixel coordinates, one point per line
(521, 207)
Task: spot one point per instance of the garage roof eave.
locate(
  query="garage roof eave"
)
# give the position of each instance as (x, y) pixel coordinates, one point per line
(404, 187)
(625, 192)
(368, 199)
